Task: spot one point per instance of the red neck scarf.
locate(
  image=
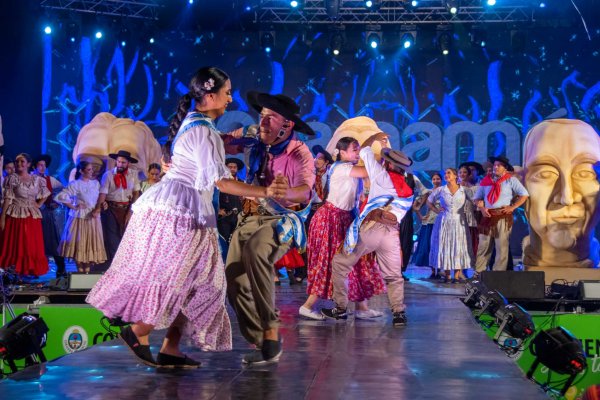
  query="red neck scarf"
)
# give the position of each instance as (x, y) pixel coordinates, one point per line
(121, 179)
(399, 182)
(496, 186)
(319, 184)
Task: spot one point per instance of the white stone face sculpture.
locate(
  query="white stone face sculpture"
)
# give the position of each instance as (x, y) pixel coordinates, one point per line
(559, 157)
(106, 134)
(360, 128)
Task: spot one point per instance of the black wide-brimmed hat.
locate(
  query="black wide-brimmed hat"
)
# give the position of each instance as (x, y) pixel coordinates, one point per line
(42, 157)
(397, 158)
(124, 154)
(236, 161)
(503, 160)
(317, 148)
(479, 167)
(281, 104)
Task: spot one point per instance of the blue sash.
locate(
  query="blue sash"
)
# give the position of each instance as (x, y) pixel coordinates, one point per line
(191, 120)
(290, 227)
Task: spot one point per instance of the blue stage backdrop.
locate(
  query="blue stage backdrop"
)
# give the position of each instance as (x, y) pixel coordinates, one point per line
(441, 110)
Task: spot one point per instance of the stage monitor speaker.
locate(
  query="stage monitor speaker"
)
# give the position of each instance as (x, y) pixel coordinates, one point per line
(82, 282)
(516, 284)
(589, 290)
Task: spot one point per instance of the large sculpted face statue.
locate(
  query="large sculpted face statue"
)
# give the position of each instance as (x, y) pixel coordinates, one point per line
(360, 128)
(558, 161)
(106, 134)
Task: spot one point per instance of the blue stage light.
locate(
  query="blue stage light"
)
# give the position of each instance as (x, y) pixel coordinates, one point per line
(98, 35)
(491, 2)
(48, 30)
(151, 40)
(267, 49)
(248, 8)
(123, 43)
(72, 39)
(407, 40)
(542, 5)
(368, 4)
(373, 39)
(191, 1)
(414, 3)
(293, 3)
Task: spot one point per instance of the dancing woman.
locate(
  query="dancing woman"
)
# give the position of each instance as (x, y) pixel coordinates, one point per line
(168, 272)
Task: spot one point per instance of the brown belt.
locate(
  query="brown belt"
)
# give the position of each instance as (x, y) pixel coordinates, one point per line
(117, 204)
(487, 225)
(251, 207)
(381, 216)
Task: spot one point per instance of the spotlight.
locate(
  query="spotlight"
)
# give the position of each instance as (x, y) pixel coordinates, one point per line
(408, 40)
(72, 31)
(248, 8)
(515, 321)
(444, 43)
(191, 1)
(491, 302)
(491, 3)
(151, 40)
(373, 39)
(293, 3)
(409, 5)
(23, 337)
(332, 7)
(48, 30)
(542, 5)
(337, 42)
(473, 290)
(373, 4)
(123, 43)
(98, 35)
(72, 39)
(414, 3)
(452, 6)
(560, 351)
(267, 41)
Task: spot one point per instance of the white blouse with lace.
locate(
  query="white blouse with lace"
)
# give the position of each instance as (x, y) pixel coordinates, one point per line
(22, 196)
(187, 189)
(80, 192)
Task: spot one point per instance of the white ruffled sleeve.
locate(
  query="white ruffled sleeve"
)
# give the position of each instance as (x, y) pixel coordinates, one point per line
(210, 156)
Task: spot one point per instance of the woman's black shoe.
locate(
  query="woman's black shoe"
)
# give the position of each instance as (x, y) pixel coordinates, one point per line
(141, 351)
(169, 361)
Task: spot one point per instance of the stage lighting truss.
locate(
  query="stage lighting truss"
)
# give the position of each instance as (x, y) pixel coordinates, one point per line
(392, 12)
(143, 9)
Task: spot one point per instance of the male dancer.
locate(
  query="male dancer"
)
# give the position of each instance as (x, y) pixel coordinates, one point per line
(377, 230)
(267, 229)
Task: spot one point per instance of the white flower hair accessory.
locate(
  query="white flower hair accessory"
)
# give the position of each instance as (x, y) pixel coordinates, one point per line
(335, 152)
(209, 84)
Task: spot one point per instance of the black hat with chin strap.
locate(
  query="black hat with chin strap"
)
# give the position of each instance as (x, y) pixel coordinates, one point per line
(281, 104)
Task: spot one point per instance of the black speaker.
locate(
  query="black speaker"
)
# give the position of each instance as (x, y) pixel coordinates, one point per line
(516, 284)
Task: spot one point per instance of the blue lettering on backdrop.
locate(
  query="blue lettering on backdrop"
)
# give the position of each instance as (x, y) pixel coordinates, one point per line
(450, 128)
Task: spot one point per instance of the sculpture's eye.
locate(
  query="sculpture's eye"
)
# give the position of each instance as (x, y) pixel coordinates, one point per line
(545, 174)
(584, 174)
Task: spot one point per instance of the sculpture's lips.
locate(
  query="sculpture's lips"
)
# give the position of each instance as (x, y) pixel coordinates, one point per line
(566, 220)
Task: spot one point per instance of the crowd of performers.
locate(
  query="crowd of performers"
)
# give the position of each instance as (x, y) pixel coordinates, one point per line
(168, 270)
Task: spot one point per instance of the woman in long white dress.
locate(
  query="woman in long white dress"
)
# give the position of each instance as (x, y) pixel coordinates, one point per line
(451, 248)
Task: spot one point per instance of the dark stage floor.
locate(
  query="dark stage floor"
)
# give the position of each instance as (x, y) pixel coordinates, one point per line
(440, 354)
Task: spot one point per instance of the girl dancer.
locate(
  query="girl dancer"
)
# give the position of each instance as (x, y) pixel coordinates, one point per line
(451, 244)
(168, 272)
(82, 238)
(328, 228)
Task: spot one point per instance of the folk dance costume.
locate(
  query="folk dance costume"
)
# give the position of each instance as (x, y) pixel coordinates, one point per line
(326, 236)
(82, 239)
(376, 230)
(168, 267)
(267, 229)
(496, 192)
(451, 241)
(119, 189)
(421, 255)
(472, 221)
(52, 219)
(22, 238)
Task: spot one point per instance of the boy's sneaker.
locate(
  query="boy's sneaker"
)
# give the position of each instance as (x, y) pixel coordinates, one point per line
(368, 314)
(399, 318)
(334, 313)
(269, 353)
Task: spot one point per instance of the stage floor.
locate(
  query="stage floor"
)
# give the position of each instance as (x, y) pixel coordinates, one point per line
(441, 354)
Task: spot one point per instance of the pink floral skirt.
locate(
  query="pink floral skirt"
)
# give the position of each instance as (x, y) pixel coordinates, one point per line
(167, 266)
(326, 235)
